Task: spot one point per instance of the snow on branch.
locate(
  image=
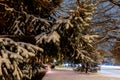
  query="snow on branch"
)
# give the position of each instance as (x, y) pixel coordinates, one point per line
(53, 36)
(84, 55)
(13, 55)
(21, 22)
(90, 38)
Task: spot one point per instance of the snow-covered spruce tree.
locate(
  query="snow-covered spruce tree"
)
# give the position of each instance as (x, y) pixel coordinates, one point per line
(76, 40)
(69, 36)
(20, 19)
(72, 35)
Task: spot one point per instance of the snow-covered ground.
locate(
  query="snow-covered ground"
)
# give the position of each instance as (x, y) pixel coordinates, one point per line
(110, 67)
(71, 75)
(113, 71)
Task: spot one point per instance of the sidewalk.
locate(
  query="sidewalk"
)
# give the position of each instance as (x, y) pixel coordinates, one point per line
(71, 75)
